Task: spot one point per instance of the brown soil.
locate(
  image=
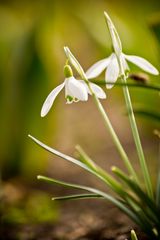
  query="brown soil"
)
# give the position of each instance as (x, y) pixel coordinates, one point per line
(80, 220)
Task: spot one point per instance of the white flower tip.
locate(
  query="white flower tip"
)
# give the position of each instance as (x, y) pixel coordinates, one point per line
(85, 98)
(109, 86)
(43, 112)
(45, 109)
(98, 91)
(103, 96)
(50, 99)
(156, 72)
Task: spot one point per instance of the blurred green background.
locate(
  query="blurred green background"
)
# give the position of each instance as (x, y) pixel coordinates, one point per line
(32, 37)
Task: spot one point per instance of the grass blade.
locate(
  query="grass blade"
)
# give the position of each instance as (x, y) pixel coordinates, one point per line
(85, 158)
(153, 211)
(108, 179)
(78, 197)
(106, 196)
(133, 235)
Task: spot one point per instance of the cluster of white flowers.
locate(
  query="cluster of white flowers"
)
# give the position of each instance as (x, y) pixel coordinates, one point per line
(78, 90)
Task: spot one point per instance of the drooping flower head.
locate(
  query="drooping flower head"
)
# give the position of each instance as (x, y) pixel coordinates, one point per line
(116, 64)
(75, 90)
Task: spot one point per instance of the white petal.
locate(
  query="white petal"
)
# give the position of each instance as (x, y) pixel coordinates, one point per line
(142, 63)
(112, 72)
(75, 88)
(124, 62)
(98, 91)
(50, 99)
(97, 68)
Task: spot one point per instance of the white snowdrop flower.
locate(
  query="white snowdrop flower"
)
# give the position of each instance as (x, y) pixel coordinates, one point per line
(112, 67)
(75, 90)
(111, 63)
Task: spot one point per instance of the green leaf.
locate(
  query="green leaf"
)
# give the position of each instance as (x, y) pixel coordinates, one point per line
(104, 176)
(133, 235)
(106, 196)
(85, 158)
(78, 197)
(152, 211)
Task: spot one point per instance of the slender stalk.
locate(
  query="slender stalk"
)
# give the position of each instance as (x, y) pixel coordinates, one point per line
(136, 133)
(115, 138)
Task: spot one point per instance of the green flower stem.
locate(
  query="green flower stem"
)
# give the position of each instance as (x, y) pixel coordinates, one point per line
(136, 133)
(115, 138)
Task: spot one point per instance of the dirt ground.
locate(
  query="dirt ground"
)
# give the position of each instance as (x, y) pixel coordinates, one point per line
(80, 220)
